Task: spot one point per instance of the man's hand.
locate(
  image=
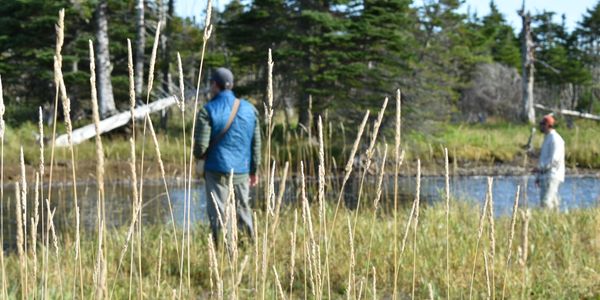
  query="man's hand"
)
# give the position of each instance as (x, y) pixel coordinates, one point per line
(253, 180)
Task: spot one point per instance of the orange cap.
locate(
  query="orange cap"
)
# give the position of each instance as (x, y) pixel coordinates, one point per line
(549, 120)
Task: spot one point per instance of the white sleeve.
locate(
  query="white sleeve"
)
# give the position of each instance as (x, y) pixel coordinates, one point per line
(558, 153)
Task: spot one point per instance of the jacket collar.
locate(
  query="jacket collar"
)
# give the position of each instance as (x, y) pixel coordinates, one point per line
(224, 94)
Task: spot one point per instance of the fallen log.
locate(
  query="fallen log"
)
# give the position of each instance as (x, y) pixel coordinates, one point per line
(116, 121)
(567, 112)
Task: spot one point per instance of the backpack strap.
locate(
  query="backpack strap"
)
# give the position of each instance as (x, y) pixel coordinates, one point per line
(217, 139)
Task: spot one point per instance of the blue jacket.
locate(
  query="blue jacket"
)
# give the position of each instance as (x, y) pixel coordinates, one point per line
(234, 151)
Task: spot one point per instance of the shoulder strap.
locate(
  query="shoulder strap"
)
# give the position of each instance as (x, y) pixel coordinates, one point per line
(216, 139)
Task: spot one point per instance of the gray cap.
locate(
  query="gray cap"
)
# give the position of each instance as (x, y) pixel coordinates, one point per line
(223, 77)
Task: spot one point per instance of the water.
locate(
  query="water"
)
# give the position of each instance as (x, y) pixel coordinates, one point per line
(575, 193)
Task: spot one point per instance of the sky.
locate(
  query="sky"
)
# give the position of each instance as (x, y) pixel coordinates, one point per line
(573, 9)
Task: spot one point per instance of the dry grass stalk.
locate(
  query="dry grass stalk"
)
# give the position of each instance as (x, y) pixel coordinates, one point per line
(59, 28)
(447, 190)
(100, 269)
(347, 172)
(231, 212)
(282, 183)
(487, 274)
(479, 234)
(321, 201)
(181, 102)
(41, 143)
(153, 60)
(51, 230)
(370, 152)
(141, 186)
(321, 190)
(187, 202)
(256, 257)
(23, 207)
(34, 225)
(242, 269)
(66, 104)
(374, 283)
(163, 175)
(136, 203)
(206, 36)
(409, 222)
(351, 275)
(376, 204)
(430, 289)
(131, 87)
(101, 213)
(311, 244)
(416, 219)
(513, 222)
(20, 241)
(293, 254)
(268, 107)
(492, 234)
(214, 266)
(278, 283)
(2, 110)
(2, 129)
(526, 216)
(160, 251)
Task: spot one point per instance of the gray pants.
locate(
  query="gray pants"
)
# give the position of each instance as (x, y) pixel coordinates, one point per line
(549, 193)
(217, 185)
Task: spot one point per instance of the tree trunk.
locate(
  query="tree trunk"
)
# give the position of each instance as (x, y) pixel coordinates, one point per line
(104, 68)
(527, 60)
(166, 84)
(140, 42)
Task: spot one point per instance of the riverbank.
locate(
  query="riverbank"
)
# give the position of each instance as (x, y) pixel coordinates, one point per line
(493, 149)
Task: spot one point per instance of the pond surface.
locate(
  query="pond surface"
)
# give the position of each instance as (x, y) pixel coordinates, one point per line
(575, 193)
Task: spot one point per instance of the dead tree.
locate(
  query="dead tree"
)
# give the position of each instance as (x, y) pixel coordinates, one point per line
(104, 68)
(527, 62)
(140, 43)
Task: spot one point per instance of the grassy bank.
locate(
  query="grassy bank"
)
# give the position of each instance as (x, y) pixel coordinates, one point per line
(482, 146)
(563, 259)
(502, 143)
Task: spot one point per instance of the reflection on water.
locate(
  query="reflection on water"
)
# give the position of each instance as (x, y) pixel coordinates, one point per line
(575, 192)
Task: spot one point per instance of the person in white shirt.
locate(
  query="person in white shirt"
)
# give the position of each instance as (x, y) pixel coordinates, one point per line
(551, 166)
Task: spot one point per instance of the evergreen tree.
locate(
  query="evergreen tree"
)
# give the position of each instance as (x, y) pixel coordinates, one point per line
(500, 37)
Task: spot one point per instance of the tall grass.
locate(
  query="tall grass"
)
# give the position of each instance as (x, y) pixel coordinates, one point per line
(317, 257)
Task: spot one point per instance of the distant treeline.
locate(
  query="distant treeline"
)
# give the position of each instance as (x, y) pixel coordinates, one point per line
(347, 55)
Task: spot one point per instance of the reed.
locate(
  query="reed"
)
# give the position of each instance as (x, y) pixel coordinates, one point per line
(479, 234)
(525, 218)
(101, 288)
(279, 288)
(492, 234)
(447, 194)
(397, 163)
(20, 242)
(511, 235)
(293, 252)
(2, 132)
(416, 220)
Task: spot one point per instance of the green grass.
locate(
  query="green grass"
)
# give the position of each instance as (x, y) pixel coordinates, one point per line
(564, 258)
(483, 145)
(489, 144)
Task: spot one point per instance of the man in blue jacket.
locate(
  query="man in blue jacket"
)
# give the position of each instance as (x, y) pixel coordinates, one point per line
(230, 142)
